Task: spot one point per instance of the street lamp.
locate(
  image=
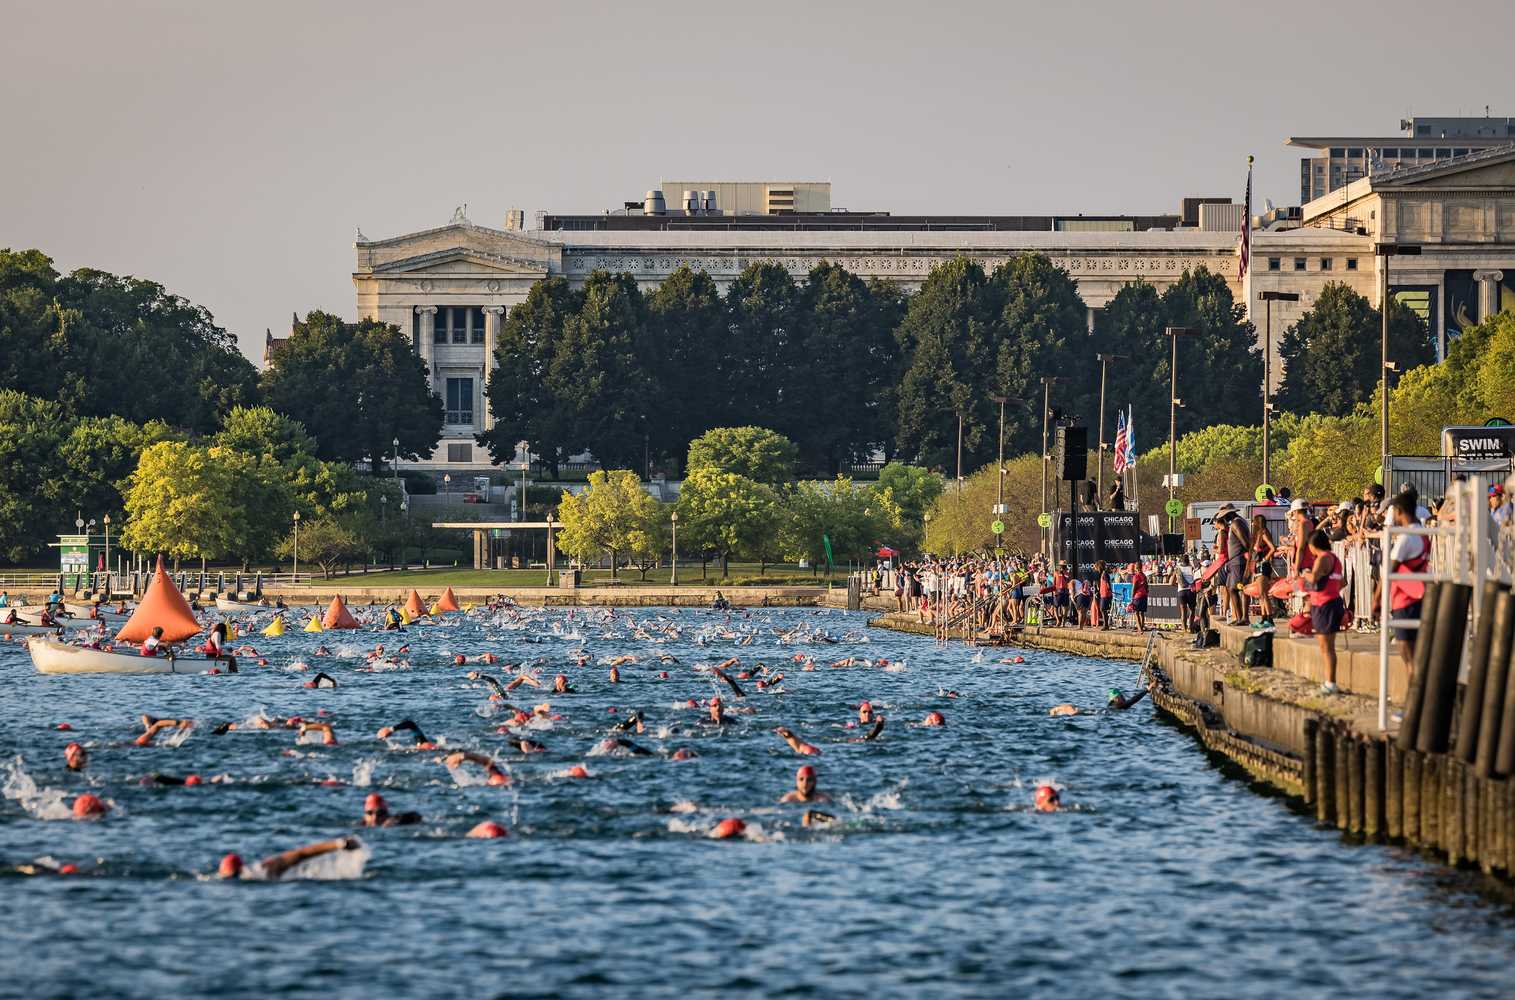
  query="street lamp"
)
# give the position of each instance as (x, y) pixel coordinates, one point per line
(1387, 250)
(297, 546)
(673, 574)
(1173, 333)
(447, 482)
(1047, 381)
(999, 504)
(108, 588)
(1269, 298)
(395, 468)
(1099, 474)
(383, 508)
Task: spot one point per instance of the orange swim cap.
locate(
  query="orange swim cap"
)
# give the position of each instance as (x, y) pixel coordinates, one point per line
(374, 802)
(728, 828)
(89, 806)
(72, 747)
(578, 771)
(684, 753)
(935, 719)
(488, 830)
(193, 779)
(231, 866)
(1047, 798)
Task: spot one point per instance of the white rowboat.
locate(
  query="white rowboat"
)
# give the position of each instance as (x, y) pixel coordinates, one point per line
(226, 604)
(27, 628)
(50, 656)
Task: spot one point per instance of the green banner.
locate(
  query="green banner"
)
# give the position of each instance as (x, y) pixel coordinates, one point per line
(826, 541)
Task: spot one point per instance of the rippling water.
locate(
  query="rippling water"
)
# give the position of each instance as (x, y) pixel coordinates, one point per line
(1164, 878)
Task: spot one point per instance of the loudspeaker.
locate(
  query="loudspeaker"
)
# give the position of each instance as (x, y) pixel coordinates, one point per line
(1070, 454)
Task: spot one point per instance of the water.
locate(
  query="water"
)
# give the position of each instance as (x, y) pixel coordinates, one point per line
(1163, 878)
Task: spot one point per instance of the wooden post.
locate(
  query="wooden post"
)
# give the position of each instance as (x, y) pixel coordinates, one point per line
(1325, 781)
(1430, 800)
(1372, 792)
(1354, 784)
(1311, 725)
(1413, 780)
(1394, 790)
(1452, 809)
(1343, 769)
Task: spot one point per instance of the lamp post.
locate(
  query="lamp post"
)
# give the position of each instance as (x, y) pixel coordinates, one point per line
(297, 546)
(395, 467)
(1047, 381)
(552, 559)
(999, 503)
(673, 574)
(108, 588)
(1268, 298)
(959, 452)
(447, 483)
(1099, 474)
(1173, 333)
(1387, 250)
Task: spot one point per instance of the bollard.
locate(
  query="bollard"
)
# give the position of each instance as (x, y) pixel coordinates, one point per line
(1311, 725)
(1372, 789)
(1325, 783)
(1434, 733)
(1354, 784)
(1503, 615)
(1413, 781)
(1394, 790)
(1342, 744)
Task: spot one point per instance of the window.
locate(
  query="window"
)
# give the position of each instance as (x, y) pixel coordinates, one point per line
(476, 324)
(1351, 263)
(460, 401)
(1354, 153)
(439, 326)
(1442, 152)
(460, 453)
(1459, 152)
(1422, 130)
(1390, 153)
(1325, 263)
(1337, 152)
(1275, 264)
(459, 324)
(1299, 263)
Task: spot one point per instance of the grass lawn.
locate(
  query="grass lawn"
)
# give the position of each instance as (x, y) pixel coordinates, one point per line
(742, 574)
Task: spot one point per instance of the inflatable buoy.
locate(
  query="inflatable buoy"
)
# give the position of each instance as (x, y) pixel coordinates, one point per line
(447, 602)
(314, 625)
(275, 628)
(436, 609)
(414, 605)
(162, 606)
(405, 618)
(337, 615)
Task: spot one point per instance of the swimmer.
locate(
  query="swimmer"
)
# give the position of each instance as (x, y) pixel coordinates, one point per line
(152, 727)
(76, 757)
(632, 721)
(492, 770)
(1119, 700)
(1048, 799)
(735, 689)
(805, 789)
(275, 867)
(615, 675)
(407, 726)
(322, 680)
(169, 780)
(328, 735)
(934, 719)
(873, 734)
(529, 746)
(376, 813)
(487, 830)
(321, 651)
(620, 742)
(796, 744)
(814, 817)
(560, 685)
(89, 806)
(683, 753)
(1064, 709)
(718, 713)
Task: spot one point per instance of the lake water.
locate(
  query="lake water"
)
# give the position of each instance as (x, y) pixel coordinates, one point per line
(1163, 877)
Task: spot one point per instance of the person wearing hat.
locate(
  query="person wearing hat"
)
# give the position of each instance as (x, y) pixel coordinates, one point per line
(1234, 543)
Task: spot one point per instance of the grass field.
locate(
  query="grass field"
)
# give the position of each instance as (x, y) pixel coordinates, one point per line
(742, 574)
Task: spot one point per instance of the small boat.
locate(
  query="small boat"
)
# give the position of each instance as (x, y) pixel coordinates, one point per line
(71, 613)
(227, 604)
(29, 628)
(50, 656)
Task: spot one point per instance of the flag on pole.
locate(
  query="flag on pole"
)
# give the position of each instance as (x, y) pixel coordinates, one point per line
(1130, 436)
(826, 542)
(1122, 437)
(1245, 256)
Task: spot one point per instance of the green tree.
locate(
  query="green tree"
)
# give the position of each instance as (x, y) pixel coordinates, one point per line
(521, 395)
(854, 517)
(756, 453)
(727, 513)
(763, 318)
(29, 360)
(183, 503)
(258, 430)
(913, 490)
(948, 333)
(1044, 332)
(1331, 355)
(99, 454)
(598, 375)
(355, 386)
(324, 541)
(683, 323)
(32, 433)
(615, 516)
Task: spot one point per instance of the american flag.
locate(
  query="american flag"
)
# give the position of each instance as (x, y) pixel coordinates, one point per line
(1122, 443)
(1246, 229)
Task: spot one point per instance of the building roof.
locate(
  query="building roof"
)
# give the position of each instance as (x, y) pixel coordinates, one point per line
(880, 241)
(1323, 142)
(845, 221)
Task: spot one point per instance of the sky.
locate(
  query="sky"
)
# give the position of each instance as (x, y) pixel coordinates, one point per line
(229, 150)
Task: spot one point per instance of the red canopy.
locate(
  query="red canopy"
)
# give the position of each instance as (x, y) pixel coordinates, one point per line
(885, 552)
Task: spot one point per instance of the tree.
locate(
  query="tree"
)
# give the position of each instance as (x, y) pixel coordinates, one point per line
(615, 515)
(32, 432)
(520, 395)
(854, 518)
(597, 376)
(325, 542)
(683, 324)
(1045, 332)
(357, 387)
(183, 503)
(1331, 355)
(763, 314)
(28, 318)
(258, 430)
(913, 490)
(756, 453)
(99, 454)
(949, 334)
(958, 521)
(726, 513)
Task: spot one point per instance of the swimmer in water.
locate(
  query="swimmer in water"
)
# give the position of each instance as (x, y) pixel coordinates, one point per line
(276, 866)
(322, 680)
(735, 689)
(492, 771)
(934, 719)
(328, 735)
(805, 789)
(1048, 799)
(376, 813)
(718, 713)
(1119, 700)
(520, 679)
(407, 726)
(76, 757)
(611, 743)
(873, 734)
(632, 721)
(152, 727)
(1064, 709)
(814, 817)
(865, 713)
(321, 651)
(560, 685)
(796, 744)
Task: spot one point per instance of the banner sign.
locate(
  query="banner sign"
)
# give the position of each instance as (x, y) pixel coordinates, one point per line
(1114, 536)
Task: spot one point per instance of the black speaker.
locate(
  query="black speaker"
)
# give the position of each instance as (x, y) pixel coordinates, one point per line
(1070, 454)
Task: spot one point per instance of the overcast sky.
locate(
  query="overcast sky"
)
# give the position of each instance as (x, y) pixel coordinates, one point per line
(228, 150)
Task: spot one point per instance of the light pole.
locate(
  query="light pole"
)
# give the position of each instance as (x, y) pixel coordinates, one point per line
(108, 587)
(1173, 333)
(959, 452)
(1047, 381)
(395, 468)
(1267, 390)
(1099, 473)
(1387, 250)
(383, 508)
(673, 574)
(297, 546)
(447, 483)
(999, 502)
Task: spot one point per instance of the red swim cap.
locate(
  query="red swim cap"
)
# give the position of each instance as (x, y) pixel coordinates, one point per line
(488, 830)
(488, 658)
(231, 866)
(805, 771)
(88, 806)
(578, 771)
(1019, 659)
(684, 753)
(310, 684)
(662, 675)
(935, 719)
(1047, 798)
(64, 727)
(460, 659)
(72, 747)
(68, 869)
(728, 828)
(193, 779)
(262, 663)
(374, 803)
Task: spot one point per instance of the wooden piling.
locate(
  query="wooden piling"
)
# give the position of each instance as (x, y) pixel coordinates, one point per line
(1325, 780)
(1472, 829)
(1394, 790)
(1354, 784)
(1413, 782)
(1342, 744)
(1308, 779)
(1430, 799)
(1373, 789)
(1452, 809)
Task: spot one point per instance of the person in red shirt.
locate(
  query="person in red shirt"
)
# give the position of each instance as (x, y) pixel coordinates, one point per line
(1326, 607)
(1139, 596)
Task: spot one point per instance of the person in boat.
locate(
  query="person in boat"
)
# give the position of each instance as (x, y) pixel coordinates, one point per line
(54, 599)
(276, 866)
(805, 789)
(376, 813)
(5, 598)
(215, 642)
(10, 617)
(408, 726)
(76, 757)
(492, 772)
(47, 617)
(153, 643)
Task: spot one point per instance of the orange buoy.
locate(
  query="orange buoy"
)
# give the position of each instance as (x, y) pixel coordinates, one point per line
(415, 605)
(337, 615)
(161, 607)
(449, 602)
